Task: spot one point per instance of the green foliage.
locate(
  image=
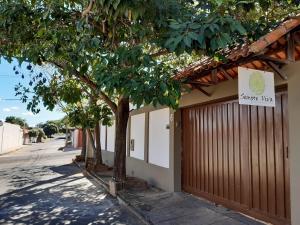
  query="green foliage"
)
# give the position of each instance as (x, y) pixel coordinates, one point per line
(41, 133)
(257, 17)
(113, 46)
(33, 133)
(16, 120)
(87, 114)
(111, 52)
(144, 80)
(50, 129)
(37, 133)
(204, 33)
(108, 48)
(61, 124)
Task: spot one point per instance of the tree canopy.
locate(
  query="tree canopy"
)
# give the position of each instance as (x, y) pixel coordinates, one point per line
(115, 47)
(17, 120)
(50, 129)
(124, 51)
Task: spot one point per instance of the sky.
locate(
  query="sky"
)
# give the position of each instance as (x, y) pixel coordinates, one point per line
(9, 103)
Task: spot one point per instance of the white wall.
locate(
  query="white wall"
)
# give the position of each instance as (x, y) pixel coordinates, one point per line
(294, 141)
(137, 133)
(11, 137)
(107, 137)
(103, 137)
(111, 137)
(1, 134)
(75, 138)
(159, 171)
(1, 137)
(159, 137)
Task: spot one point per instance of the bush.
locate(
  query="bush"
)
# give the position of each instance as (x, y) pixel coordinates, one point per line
(16, 120)
(33, 133)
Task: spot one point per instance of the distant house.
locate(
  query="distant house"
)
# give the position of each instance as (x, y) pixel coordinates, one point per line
(244, 157)
(76, 138)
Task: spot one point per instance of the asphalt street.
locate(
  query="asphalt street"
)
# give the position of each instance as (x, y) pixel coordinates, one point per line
(40, 185)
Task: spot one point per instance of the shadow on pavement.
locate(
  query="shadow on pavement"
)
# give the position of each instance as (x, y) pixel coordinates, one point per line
(60, 138)
(37, 150)
(66, 198)
(70, 149)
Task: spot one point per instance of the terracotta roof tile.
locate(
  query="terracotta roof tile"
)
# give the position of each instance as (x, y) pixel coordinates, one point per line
(274, 35)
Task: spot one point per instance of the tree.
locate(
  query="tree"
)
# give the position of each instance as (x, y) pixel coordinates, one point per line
(40, 135)
(121, 49)
(60, 125)
(50, 129)
(37, 133)
(89, 115)
(32, 133)
(16, 120)
(78, 101)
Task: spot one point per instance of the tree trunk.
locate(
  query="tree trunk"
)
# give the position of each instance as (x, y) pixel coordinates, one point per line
(67, 137)
(83, 149)
(39, 139)
(91, 139)
(98, 159)
(122, 115)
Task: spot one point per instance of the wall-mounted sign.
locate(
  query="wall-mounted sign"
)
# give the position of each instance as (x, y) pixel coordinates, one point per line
(256, 87)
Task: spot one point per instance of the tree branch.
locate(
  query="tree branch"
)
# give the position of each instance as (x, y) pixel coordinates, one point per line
(88, 9)
(90, 83)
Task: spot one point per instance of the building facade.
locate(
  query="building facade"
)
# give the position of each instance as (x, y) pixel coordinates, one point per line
(241, 156)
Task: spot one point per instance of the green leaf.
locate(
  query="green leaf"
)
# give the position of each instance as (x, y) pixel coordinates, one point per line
(175, 26)
(201, 40)
(116, 4)
(193, 35)
(213, 44)
(176, 41)
(163, 87)
(238, 26)
(195, 26)
(188, 41)
(95, 42)
(214, 28)
(227, 37)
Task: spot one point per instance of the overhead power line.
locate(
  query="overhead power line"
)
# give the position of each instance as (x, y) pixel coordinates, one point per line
(9, 99)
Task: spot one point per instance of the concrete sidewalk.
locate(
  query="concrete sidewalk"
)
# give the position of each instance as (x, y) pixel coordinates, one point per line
(165, 208)
(156, 206)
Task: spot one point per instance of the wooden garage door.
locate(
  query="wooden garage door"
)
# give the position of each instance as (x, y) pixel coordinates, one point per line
(237, 155)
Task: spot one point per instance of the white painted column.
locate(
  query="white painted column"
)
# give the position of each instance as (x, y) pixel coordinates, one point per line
(294, 138)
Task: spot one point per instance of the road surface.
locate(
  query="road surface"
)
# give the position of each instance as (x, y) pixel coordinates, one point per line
(40, 185)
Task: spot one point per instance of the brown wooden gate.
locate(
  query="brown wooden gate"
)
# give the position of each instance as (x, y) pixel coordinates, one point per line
(237, 155)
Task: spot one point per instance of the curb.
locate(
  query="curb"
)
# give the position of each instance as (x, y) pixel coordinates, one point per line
(85, 172)
(134, 211)
(11, 151)
(121, 200)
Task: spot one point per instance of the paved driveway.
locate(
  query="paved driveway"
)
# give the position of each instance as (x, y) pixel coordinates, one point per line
(39, 185)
